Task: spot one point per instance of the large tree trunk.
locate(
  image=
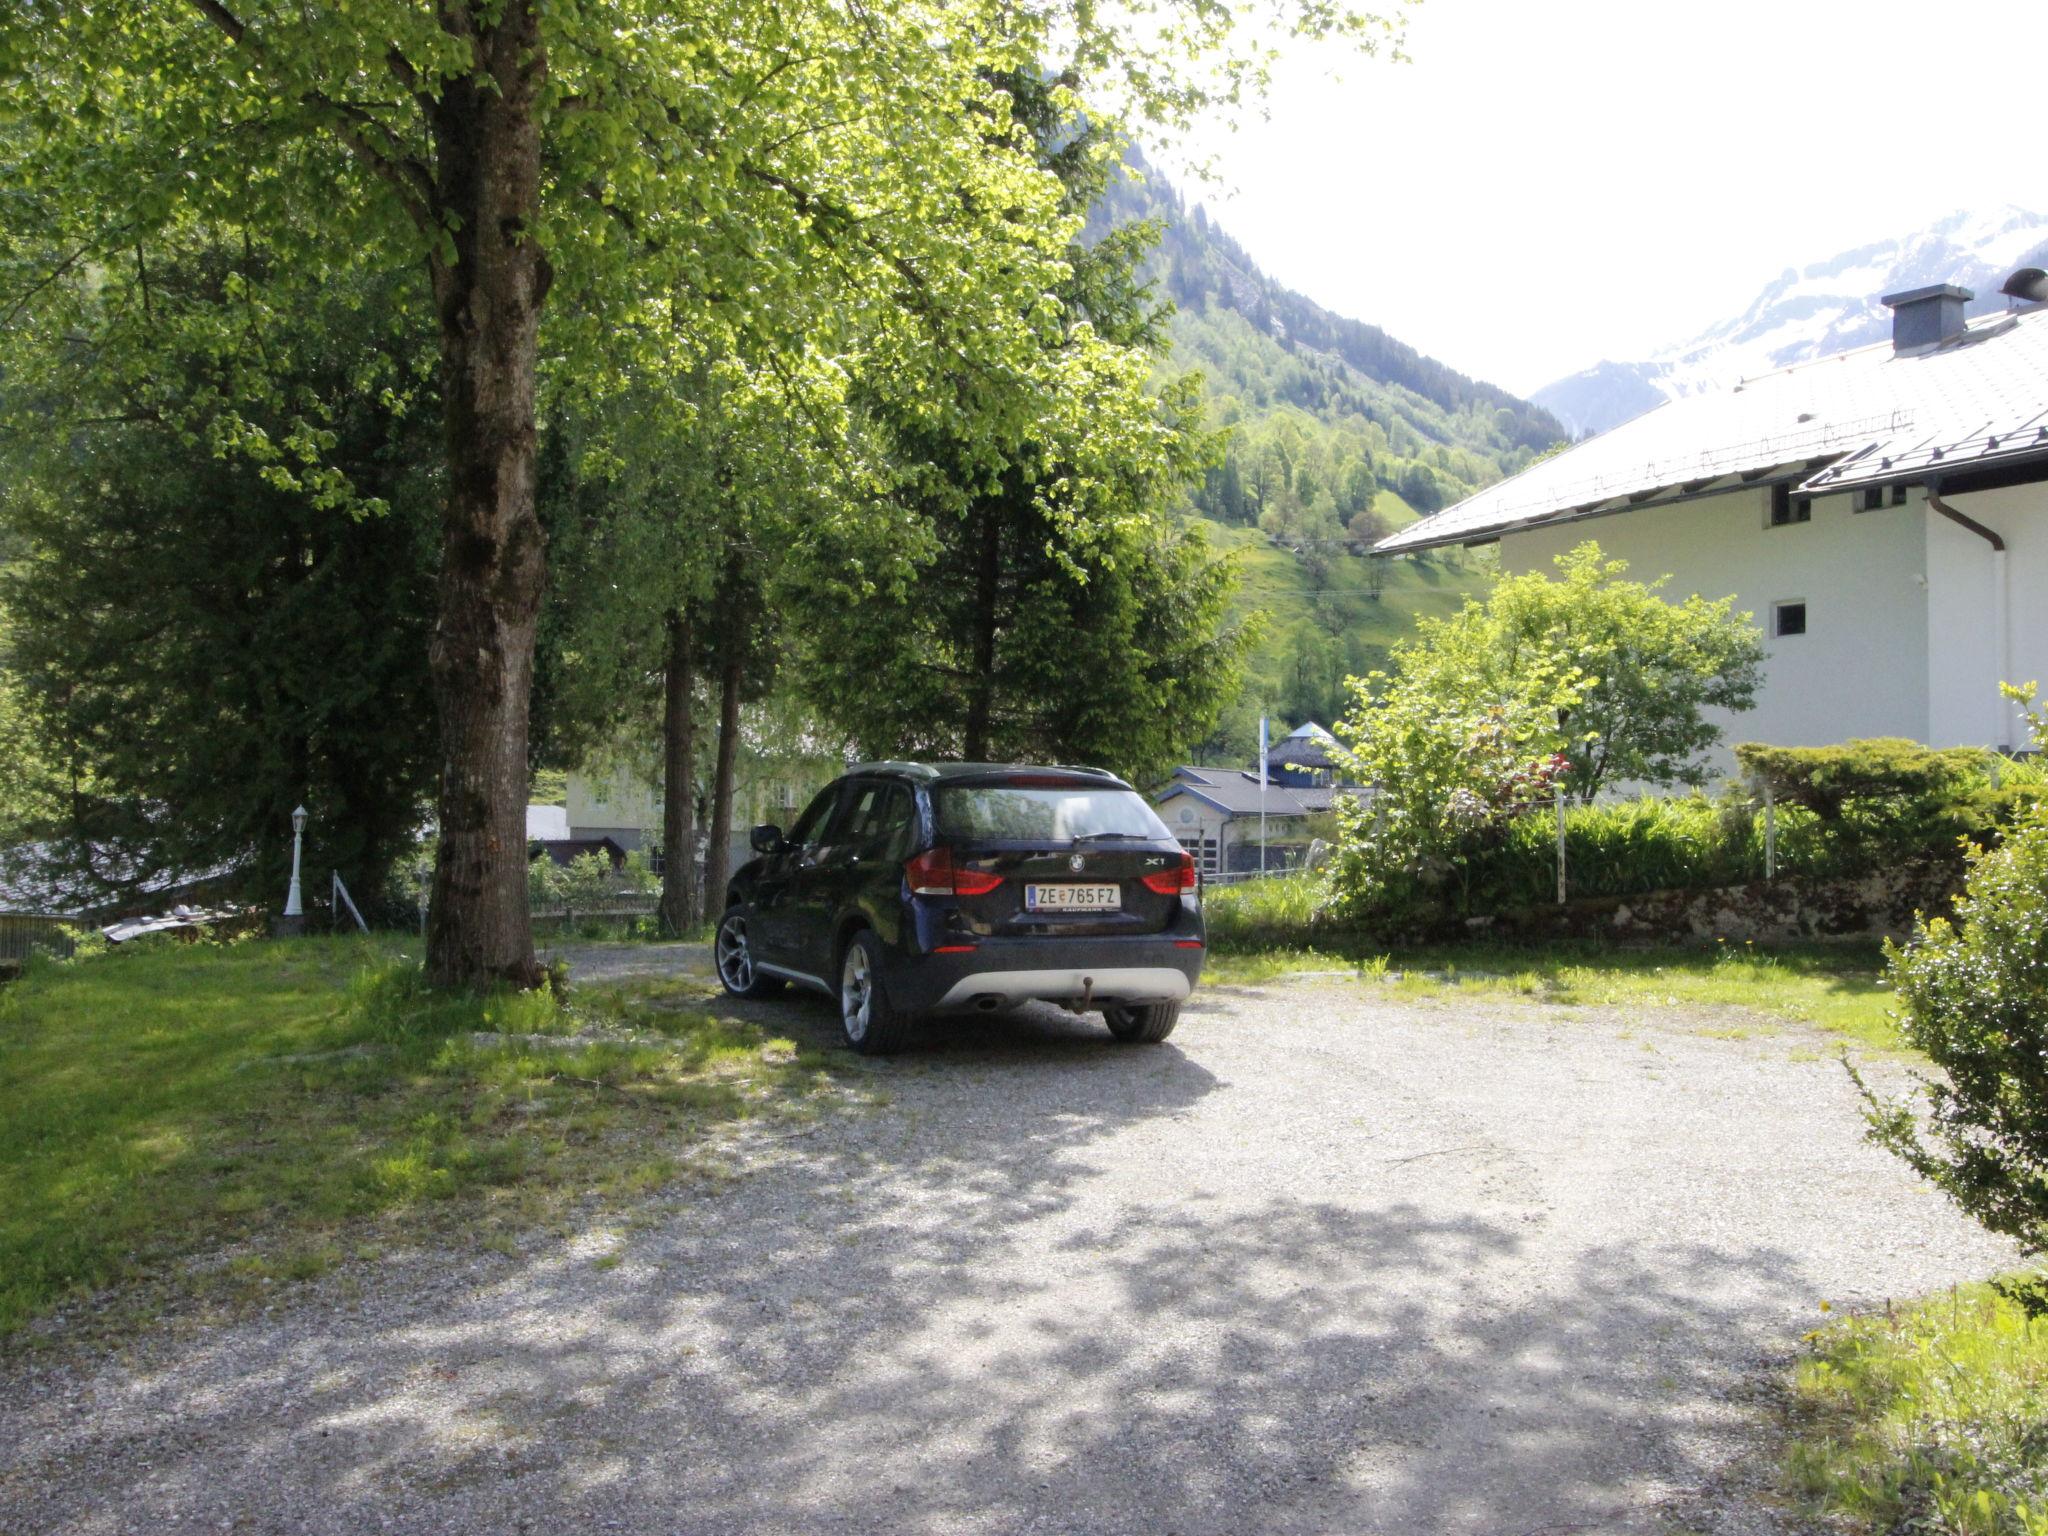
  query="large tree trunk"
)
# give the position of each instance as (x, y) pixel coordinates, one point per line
(493, 564)
(680, 912)
(981, 687)
(718, 858)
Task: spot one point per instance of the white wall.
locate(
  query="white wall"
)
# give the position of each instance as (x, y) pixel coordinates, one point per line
(1191, 820)
(1966, 660)
(1861, 669)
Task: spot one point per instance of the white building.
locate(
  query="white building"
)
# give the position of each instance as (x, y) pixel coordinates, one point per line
(1883, 513)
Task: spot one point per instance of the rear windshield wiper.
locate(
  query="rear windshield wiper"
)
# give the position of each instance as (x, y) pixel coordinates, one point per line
(1103, 837)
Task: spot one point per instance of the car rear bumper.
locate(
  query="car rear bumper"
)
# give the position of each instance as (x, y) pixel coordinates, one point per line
(999, 972)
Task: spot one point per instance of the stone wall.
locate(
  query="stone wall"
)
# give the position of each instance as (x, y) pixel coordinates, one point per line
(1786, 910)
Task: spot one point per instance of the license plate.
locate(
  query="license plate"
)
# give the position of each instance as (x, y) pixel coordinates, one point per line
(1073, 898)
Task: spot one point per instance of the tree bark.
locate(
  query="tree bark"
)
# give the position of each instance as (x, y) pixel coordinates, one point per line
(490, 280)
(981, 687)
(718, 857)
(680, 911)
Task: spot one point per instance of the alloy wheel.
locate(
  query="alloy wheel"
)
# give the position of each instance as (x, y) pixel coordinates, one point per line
(856, 992)
(735, 956)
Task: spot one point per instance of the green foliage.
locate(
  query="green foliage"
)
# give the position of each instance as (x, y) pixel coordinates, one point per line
(600, 198)
(1650, 668)
(1570, 681)
(1254, 914)
(1049, 609)
(32, 788)
(298, 1099)
(1451, 772)
(1891, 793)
(204, 641)
(1974, 997)
(1314, 631)
(1925, 1418)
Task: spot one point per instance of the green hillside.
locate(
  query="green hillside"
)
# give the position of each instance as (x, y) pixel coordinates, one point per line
(1335, 435)
(1324, 619)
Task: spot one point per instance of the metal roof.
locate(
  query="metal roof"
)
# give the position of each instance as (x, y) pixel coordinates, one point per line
(1240, 796)
(1853, 418)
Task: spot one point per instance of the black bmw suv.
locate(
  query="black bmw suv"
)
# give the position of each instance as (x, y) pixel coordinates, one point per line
(907, 889)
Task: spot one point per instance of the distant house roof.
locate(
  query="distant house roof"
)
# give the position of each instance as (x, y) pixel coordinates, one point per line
(1193, 775)
(1238, 795)
(44, 879)
(1974, 403)
(1306, 746)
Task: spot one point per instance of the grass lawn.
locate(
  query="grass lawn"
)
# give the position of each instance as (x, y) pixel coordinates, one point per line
(1839, 987)
(178, 1118)
(1932, 1417)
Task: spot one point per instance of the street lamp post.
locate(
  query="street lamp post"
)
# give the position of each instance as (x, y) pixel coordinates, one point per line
(293, 906)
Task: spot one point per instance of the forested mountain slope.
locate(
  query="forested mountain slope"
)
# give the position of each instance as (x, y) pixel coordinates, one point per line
(1336, 433)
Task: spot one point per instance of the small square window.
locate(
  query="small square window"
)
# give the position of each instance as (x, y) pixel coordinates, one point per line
(1872, 499)
(1788, 619)
(1787, 508)
(1898, 495)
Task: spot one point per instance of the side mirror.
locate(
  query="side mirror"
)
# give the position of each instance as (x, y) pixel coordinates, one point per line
(765, 839)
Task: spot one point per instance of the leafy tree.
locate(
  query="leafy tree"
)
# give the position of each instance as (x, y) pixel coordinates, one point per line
(1050, 609)
(1650, 668)
(202, 644)
(1973, 995)
(644, 177)
(32, 789)
(1449, 774)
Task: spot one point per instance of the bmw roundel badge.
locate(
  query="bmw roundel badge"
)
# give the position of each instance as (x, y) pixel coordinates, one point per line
(1074, 862)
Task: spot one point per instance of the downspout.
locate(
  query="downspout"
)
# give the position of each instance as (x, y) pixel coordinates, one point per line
(2000, 599)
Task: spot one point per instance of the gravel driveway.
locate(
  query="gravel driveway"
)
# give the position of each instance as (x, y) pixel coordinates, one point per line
(1328, 1261)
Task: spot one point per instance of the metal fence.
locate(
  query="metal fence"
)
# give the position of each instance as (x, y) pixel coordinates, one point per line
(23, 932)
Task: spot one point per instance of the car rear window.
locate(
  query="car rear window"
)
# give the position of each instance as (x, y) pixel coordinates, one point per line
(1007, 812)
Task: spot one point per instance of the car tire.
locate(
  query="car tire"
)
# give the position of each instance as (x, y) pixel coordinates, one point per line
(732, 956)
(871, 1024)
(1146, 1025)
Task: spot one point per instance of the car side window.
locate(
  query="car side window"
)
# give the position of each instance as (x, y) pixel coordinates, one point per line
(810, 826)
(871, 822)
(883, 831)
(842, 837)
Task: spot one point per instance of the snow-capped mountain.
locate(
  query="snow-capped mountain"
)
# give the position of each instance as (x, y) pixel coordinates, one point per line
(1809, 312)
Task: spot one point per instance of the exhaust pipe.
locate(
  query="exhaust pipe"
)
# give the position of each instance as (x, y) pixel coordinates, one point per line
(989, 1002)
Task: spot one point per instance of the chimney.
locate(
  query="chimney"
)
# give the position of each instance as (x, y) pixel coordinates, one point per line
(1926, 317)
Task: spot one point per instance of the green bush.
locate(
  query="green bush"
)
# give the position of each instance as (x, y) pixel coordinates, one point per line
(1280, 909)
(1883, 770)
(1974, 998)
(1881, 800)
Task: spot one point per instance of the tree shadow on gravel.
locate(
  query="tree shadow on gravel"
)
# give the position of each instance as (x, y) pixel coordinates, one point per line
(960, 1313)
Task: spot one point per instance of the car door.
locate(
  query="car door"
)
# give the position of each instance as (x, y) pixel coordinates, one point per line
(781, 880)
(861, 866)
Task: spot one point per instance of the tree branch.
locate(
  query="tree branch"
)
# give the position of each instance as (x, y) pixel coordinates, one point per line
(352, 125)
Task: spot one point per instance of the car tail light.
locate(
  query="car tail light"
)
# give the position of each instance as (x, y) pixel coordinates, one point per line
(933, 873)
(1171, 882)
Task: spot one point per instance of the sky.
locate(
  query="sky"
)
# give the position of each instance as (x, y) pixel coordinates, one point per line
(1551, 182)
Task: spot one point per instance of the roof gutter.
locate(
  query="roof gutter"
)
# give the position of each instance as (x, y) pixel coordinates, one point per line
(2001, 598)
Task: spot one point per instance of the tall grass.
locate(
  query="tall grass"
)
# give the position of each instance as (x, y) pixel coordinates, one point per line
(1932, 1417)
(1280, 909)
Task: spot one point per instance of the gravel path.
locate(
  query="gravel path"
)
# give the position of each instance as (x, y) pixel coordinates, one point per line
(1327, 1262)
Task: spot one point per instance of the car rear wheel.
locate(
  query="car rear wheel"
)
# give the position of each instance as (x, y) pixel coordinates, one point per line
(732, 952)
(873, 1027)
(1144, 1025)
